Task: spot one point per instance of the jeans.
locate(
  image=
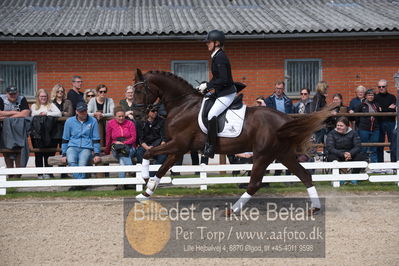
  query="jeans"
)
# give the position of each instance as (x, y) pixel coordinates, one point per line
(370, 136)
(124, 160)
(78, 157)
(386, 128)
(159, 159)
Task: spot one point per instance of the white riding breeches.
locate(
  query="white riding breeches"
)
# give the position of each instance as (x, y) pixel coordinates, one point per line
(220, 105)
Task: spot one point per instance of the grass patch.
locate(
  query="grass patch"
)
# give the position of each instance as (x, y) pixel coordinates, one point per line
(217, 190)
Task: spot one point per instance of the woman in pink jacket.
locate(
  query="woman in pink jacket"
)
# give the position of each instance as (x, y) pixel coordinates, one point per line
(121, 138)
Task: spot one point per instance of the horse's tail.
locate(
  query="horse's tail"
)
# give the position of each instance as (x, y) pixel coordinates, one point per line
(298, 131)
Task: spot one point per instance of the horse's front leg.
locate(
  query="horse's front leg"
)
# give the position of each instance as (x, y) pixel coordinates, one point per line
(154, 181)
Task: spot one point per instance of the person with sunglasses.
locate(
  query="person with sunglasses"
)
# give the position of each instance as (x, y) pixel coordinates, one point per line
(88, 95)
(101, 105)
(74, 94)
(387, 102)
(150, 134)
(303, 106)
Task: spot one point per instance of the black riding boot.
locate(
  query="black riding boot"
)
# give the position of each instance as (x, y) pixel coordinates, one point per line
(209, 150)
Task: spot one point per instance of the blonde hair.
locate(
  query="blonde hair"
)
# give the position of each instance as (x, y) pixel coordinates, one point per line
(54, 91)
(37, 103)
(86, 92)
(322, 87)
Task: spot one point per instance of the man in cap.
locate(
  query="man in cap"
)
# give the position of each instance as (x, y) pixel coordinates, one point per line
(13, 105)
(80, 140)
(150, 134)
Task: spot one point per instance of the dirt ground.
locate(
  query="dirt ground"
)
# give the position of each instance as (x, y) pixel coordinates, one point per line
(362, 229)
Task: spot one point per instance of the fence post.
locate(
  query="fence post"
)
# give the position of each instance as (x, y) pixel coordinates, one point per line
(203, 176)
(138, 176)
(335, 172)
(3, 179)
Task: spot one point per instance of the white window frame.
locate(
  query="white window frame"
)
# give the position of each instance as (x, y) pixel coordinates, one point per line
(20, 87)
(205, 62)
(311, 87)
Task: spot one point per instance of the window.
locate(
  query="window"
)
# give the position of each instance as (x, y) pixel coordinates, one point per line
(192, 71)
(20, 74)
(302, 73)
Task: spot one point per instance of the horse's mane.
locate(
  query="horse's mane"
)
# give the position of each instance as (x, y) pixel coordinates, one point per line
(173, 76)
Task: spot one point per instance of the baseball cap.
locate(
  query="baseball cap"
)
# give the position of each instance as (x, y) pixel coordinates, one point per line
(81, 106)
(11, 89)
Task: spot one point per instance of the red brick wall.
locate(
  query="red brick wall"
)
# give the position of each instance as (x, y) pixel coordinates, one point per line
(346, 63)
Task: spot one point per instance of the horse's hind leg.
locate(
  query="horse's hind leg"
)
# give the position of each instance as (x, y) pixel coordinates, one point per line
(290, 161)
(260, 163)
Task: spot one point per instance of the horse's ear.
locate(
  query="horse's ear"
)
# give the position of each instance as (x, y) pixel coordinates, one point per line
(139, 75)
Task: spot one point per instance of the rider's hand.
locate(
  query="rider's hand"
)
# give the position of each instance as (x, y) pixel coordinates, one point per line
(202, 87)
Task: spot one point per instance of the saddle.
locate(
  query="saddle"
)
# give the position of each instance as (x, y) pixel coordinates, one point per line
(222, 118)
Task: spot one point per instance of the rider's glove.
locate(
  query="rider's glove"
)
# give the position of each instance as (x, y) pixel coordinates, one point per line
(202, 87)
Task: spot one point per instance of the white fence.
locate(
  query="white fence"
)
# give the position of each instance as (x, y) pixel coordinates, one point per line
(334, 175)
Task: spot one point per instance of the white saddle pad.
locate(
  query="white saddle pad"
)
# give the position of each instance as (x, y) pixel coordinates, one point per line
(233, 126)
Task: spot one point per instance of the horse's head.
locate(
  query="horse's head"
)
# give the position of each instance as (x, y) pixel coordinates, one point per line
(145, 92)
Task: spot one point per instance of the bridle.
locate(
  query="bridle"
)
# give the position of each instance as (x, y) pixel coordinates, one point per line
(147, 90)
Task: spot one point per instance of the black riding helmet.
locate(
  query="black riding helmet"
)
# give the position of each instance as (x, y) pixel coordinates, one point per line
(215, 35)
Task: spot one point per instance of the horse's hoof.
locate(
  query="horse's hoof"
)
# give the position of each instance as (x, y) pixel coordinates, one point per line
(141, 198)
(313, 211)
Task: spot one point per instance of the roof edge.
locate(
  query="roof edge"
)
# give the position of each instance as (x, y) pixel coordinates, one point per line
(200, 37)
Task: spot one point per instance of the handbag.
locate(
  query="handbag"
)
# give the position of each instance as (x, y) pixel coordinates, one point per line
(120, 149)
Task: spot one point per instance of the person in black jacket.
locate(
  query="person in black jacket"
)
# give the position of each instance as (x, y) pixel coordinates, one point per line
(221, 83)
(368, 127)
(343, 144)
(150, 134)
(387, 102)
(318, 102)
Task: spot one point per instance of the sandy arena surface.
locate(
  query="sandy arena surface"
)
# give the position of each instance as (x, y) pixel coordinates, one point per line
(361, 230)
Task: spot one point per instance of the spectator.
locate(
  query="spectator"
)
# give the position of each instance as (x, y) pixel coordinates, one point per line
(80, 141)
(88, 95)
(151, 134)
(58, 96)
(43, 128)
(101, 106)
(355, 102)
(319, 101)
(387, 102)
(121, 138)
(303, 106)
(260, 101)
(127, 103)
(340, 108)
(74, 94)
(368, 125)
(13, 105)
(343, 144)
(278, 100)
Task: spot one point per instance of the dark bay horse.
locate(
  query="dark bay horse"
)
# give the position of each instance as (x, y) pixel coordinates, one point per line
(269, 134)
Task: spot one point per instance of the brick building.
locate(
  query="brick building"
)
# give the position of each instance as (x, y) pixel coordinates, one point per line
(347, 43)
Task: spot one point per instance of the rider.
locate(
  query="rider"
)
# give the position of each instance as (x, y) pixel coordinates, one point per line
(222, 84)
